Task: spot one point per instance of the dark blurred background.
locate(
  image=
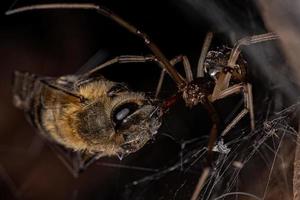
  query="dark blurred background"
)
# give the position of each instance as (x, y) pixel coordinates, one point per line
(55, 43)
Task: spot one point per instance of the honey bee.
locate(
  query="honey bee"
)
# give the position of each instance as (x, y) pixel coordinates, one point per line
(94, 116)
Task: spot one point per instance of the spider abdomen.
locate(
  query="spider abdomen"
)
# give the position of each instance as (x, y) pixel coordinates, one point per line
(216, 63)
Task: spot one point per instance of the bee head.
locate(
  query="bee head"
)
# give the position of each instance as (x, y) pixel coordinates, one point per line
(118, 121)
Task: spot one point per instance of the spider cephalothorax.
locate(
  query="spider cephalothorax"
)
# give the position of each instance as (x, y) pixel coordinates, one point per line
(197, 91)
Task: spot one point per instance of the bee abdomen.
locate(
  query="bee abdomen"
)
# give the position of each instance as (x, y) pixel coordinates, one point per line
(23, 89)
(26, 93)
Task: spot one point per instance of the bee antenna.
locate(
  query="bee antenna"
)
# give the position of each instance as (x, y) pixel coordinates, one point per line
(106, 12)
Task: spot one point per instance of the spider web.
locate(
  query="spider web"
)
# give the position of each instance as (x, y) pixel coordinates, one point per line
(266, 151)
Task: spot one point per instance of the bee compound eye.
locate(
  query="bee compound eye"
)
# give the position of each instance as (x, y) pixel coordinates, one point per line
(123, 111)
(122, 114)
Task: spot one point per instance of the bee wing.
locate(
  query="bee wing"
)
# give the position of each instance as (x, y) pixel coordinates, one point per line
(53, 93)
(74, 161)
(81, 77)
(27, 86)
(33, 94)
(100, 57)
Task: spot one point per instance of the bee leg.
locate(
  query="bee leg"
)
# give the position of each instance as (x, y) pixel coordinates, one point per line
(84, 160)
(80, 161)
(174, 61)
(66, 157)
(75, 162)
(246, 89)
(205, 47)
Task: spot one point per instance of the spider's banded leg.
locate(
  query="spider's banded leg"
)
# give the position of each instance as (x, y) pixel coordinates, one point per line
(205, 47)
(211, 142)
(122, 59)
(174, 61)
(214, 129)
(223, 81)
(236, 50)
(201, 183)
(117, 19)
(246, 89)
(160, 82)
(234, 121)
(250, 105)
(187, 68)
(143, 59)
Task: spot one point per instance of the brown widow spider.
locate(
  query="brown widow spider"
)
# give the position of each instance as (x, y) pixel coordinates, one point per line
(219, 73)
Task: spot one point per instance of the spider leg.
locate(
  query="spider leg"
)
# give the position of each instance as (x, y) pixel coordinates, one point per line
(117, 19)
(143, 59)
(211, 142)
(187, 69)
(234, 121)
(246, 89)
(205, 47)
(160, 82)
(214, 129)
(224, 79)
(236, 50)
(123, 59)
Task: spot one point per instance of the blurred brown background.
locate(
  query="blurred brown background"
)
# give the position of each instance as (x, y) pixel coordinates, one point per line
(55, 43)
